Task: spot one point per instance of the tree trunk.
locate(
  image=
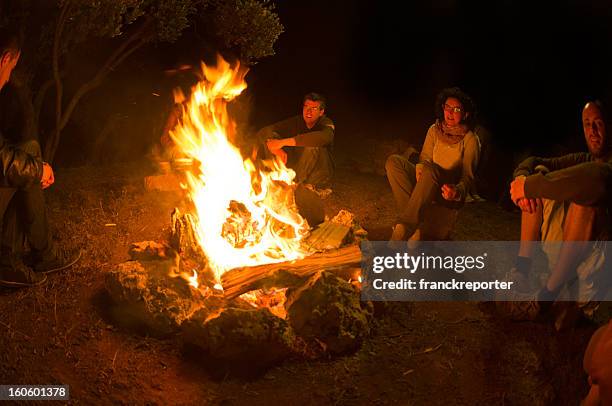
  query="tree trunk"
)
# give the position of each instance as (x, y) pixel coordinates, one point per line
(50, 145)
(136, 40)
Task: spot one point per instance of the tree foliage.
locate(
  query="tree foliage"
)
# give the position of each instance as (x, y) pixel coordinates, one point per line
(249, 27)
(56, 28)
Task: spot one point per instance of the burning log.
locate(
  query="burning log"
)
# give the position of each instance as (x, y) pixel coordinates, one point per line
(286, 274)
(183, 238)
(328, 236)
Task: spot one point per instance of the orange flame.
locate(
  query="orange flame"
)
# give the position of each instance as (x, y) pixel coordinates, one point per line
(244, 216)
(193, 280)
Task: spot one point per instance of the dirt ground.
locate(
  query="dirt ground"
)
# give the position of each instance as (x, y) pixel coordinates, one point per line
(423, 353)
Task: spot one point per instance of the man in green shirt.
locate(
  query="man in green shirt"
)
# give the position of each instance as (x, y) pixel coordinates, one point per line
(566, 199)
(309, 138)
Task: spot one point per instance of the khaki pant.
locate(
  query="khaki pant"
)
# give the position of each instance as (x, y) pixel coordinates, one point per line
(312, 165)
(422, 202)
(591, 283)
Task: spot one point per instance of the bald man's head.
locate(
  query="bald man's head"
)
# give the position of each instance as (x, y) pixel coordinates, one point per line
(594, 126)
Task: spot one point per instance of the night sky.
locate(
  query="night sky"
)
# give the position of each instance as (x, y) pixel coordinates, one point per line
(529, 65)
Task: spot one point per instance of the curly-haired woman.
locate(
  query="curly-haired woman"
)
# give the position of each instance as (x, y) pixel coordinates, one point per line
(445, 172)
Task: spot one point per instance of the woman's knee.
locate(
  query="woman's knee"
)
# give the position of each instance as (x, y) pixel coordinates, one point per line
(430, 170)
(394, 163)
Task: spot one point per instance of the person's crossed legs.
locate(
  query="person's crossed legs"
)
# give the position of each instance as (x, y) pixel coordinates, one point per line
(413, 196)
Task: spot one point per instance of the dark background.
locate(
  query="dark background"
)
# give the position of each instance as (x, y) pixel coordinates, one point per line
(530, 66)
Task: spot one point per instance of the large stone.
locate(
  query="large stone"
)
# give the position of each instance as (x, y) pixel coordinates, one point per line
(240, 336)
(328, 309)
(151, 296)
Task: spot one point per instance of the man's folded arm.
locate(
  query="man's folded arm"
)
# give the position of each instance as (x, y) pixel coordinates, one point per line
(316, 138)
(281, 129)
(586, 184)
(527, 167)
(19, 169)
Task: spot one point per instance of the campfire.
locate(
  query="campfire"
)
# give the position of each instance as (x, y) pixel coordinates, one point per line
(244, 211)
(241, 258)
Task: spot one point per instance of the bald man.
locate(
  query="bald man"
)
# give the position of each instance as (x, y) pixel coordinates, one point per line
(564, 200)
(598, 365)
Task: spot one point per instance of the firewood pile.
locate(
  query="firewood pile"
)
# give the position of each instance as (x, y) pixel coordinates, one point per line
(256, 316)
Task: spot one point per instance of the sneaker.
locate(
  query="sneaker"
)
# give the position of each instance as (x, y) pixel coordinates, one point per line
(524, 306)
(521, 282)
(478, 199)
(474, 198)
(58, 260)
(18, 275)
(526, 310)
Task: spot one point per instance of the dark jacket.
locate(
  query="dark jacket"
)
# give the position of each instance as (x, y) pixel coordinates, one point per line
(19, 169)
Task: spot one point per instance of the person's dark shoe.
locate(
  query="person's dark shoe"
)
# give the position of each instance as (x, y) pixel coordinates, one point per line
(527, 310)
(520, 306)
(520, 282)
(17, 275)
(57, 260)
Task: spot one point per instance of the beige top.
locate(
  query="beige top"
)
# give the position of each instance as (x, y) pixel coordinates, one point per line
(460, 158)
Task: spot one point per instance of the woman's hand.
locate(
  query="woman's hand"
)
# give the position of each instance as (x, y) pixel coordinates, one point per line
(450, 192)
